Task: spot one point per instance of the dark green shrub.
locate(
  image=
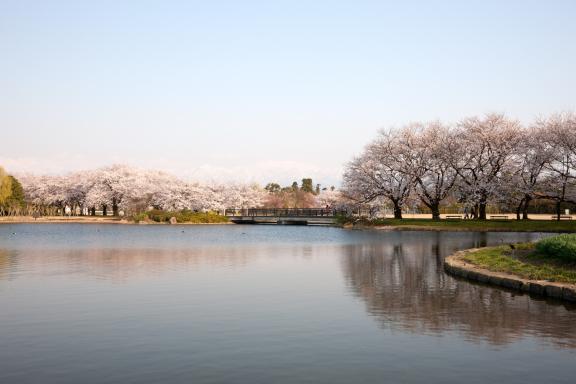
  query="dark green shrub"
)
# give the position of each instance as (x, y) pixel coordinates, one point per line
(185, 216)
(561, 247)
(140, 217)
(159, 216)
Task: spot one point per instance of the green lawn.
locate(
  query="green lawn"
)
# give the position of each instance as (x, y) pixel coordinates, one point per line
(477, 225)
(525, 262)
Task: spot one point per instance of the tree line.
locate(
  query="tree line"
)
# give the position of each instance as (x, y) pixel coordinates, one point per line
(123, 189)
(477, 161)
(305, 195)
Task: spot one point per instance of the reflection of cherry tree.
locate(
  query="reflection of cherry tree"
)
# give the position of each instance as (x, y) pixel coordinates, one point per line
(404, 286)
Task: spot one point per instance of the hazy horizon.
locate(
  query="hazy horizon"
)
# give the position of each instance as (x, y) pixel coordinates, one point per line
(261, 92)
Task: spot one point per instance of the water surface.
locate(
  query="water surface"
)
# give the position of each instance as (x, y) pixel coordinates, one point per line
(265, 304)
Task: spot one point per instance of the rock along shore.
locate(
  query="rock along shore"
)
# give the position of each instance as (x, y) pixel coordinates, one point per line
(456, 265)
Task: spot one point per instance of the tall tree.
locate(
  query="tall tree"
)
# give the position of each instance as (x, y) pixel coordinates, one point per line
(307, 185)
(5, 186)
(378, 173)
(273, 187)
(17, 198)
(424, 152)
(524, 177)
(484, 148)
(560, 130)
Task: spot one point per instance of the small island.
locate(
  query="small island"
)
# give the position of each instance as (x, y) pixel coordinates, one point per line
(546, 268)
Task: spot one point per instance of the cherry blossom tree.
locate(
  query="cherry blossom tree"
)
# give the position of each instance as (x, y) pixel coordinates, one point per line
(560, 132)
(378, 172)
(481, 150)
(331, 198)
(424, 151)
(132, 190)
(523, 177)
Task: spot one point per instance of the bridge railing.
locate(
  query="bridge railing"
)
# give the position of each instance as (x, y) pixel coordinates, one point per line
(282, 212)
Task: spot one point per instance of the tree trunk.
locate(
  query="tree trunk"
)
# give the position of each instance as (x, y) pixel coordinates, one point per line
(114, 207)
(93, 211)
(482, 211)
(519, 209)
(475, 211)
(558, 213)
(104, 210)
(435, 208)
(397, 210)
(525, 209)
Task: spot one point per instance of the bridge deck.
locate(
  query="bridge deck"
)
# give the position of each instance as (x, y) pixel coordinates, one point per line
(294, 216)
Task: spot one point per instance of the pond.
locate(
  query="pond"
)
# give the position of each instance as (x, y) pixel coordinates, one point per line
(91, 303)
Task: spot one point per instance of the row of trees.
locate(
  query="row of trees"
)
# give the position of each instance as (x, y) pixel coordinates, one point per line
(132, 190)
(304, 195)
(478, 161)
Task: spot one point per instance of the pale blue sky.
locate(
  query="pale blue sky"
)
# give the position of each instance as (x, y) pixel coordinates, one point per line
(264, 90)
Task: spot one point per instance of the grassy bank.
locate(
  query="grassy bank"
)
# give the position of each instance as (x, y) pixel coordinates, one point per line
(469, 225)
(526, 261)
(182, 217)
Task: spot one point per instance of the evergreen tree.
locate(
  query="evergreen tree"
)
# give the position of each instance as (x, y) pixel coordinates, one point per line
(16, 197)
(5, 186)
(307, 185)
(272, 187)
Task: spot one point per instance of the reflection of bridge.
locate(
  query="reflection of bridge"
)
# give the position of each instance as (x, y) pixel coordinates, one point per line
(289, 216)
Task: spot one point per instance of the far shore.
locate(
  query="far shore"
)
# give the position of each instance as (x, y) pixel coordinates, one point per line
(421, 223)
(456, 225)
(432, 228)
(86, 220)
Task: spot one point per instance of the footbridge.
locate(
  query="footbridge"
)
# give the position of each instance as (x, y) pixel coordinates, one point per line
(285, 216)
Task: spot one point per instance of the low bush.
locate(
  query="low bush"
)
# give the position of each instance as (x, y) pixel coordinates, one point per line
(139, 217)
(184, 216)
(560, 247)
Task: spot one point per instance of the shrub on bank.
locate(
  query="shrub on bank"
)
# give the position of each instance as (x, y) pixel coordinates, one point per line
(184, 216)
(561, 247)
(140, 217)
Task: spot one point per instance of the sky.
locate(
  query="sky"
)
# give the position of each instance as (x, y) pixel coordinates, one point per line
(264, 90)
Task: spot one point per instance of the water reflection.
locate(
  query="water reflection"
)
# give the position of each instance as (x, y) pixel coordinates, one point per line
(399, 275)
(118, 264)
(404, 287)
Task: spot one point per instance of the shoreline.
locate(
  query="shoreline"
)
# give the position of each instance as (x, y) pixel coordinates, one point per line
(510, 226)
(456, 265)
(360, 226)
(456, 229)
(86, 220)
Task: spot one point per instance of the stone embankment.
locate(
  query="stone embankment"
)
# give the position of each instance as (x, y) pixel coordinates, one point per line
(456, 265)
